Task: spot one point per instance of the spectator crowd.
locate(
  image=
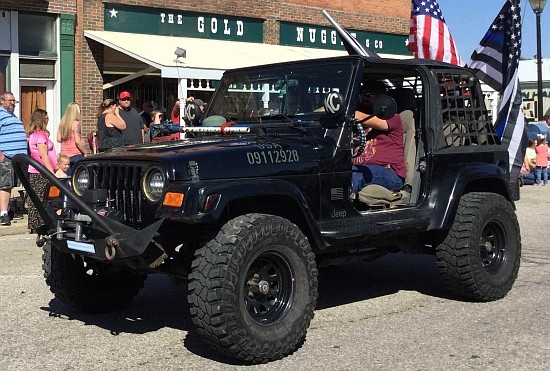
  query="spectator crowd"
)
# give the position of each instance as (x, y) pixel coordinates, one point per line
(537, 158)
(118, 124)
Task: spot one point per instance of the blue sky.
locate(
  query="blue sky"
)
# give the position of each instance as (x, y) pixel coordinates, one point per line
(468, 20)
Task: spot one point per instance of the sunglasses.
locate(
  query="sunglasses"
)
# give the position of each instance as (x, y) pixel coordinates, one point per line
(125, 99)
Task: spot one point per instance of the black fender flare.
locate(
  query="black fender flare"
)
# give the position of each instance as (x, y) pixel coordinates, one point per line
(230, 191)
(458, 180)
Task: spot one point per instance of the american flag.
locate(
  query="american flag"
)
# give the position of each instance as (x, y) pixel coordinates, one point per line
(495, 62)
(429, 36)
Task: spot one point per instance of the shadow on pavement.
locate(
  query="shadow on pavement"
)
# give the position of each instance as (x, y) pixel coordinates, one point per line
(160, 304)
(355, 282)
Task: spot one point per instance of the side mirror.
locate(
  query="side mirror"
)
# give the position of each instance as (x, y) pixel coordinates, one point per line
(334, 104)
(384, 107)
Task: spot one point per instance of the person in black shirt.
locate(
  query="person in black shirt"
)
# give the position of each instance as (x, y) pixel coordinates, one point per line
(110, 125)
(133, 134)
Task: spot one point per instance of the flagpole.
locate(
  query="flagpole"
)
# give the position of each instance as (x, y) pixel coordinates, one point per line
(540, 109)
(538, 7)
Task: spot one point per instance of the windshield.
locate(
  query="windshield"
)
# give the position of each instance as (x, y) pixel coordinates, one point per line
(289, 92)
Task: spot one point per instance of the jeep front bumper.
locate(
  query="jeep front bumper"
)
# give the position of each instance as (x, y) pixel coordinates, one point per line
(84, 230)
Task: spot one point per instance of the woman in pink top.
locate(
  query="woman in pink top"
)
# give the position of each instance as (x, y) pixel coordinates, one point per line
(42, 150)
(541, 164)
(69, 134)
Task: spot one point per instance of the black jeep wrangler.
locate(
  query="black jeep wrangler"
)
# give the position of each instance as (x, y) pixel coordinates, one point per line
(249, 205)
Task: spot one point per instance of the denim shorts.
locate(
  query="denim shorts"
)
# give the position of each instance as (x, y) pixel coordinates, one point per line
(6, 174)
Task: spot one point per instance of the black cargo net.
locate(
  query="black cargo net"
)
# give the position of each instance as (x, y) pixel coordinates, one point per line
(464, 116)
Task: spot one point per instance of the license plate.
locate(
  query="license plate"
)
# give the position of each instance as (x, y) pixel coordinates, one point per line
(81, 246)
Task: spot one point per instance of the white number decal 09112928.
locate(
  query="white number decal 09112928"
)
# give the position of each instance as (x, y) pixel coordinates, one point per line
(266, 157)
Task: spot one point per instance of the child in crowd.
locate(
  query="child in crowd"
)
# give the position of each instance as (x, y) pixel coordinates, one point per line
(542, 161)
(527, 172)
(63, 163)
(531, 154)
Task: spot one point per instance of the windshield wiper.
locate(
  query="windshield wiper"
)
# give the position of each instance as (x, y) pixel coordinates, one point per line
(276, 116)
(289, 120)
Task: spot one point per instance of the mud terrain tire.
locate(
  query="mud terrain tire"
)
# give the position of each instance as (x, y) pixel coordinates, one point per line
(253, 288)
(479, 259)
(67, 278)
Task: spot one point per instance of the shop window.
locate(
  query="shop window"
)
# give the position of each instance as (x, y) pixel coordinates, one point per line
(37, 35)
(4, 64)
(5, 29)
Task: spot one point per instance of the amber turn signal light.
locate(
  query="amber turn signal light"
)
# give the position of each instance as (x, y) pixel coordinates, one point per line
(53, 192)
(173, 199)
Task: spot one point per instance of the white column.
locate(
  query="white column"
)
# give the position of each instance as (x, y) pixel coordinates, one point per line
(14, 60)
(182, 95)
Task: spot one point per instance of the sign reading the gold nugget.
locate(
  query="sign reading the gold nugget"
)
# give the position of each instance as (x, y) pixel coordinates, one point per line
(151, 21)
(296, 34)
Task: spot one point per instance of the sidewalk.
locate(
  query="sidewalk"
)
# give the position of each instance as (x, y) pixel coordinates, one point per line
(18, 226)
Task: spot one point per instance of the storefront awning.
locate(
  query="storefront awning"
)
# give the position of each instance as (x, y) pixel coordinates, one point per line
(205, 59)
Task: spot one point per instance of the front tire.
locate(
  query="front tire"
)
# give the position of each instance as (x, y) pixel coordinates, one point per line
(253, 288)
(75, 284)
(480, 257)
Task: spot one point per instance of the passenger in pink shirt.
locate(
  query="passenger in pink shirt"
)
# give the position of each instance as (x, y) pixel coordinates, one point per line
(541, 164)
(69, 135)
(42, 150)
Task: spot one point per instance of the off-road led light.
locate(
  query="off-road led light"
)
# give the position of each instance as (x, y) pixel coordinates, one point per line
(81, 180)
(153, 184)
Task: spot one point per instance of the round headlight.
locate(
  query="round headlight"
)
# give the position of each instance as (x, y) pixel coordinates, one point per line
(81, 180)
(153, 185)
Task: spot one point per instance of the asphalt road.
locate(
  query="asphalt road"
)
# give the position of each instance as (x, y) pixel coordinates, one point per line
(391, 314)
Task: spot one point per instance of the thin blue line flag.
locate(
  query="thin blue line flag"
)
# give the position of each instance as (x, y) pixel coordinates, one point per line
(495, 62)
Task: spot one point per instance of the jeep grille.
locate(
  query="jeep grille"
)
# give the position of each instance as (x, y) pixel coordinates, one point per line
(123, 183)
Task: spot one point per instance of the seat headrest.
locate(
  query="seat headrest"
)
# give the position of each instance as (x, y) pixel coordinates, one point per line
(404, 97)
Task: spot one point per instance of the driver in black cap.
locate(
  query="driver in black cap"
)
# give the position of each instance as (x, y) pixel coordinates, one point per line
(383, 160)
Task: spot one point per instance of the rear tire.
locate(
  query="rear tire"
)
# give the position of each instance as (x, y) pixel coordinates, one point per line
(480, 257)
(253, 288)
(68, 279)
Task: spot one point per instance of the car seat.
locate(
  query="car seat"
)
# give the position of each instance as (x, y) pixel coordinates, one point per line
(375, 195)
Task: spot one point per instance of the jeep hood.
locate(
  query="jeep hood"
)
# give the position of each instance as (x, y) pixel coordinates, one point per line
(229, 158)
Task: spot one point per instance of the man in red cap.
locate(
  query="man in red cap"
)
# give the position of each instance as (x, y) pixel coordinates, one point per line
(133, 134)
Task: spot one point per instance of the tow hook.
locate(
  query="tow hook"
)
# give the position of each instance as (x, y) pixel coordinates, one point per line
(112, 243)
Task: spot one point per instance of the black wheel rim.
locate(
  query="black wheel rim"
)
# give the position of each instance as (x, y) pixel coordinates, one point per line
(492, 247)
(269, 288)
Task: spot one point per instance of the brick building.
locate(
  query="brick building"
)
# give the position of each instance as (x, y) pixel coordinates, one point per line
(131, 45)
(37, 54)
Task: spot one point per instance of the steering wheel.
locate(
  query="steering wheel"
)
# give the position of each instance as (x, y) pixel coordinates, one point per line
(359, 138)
